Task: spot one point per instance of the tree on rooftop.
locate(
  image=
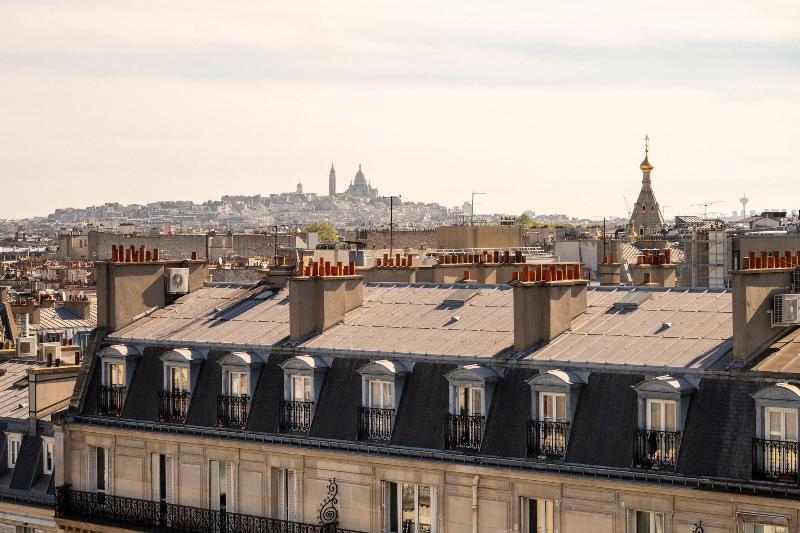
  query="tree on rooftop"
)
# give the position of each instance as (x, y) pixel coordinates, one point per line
(325, 231)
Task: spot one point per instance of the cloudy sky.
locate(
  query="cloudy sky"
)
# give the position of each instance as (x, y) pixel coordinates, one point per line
(541, 105)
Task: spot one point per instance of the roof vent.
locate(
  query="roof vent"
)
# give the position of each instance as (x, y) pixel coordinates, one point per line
(632, 299)
(461, 296)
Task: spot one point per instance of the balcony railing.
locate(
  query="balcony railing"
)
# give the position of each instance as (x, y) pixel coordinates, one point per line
(547, 439)
(375, 424)
(232, 410)
(118, 511)
(657, 450)
(775, 460)
(109, 400)
(173, 406)
(410, 527)
(463, 431)
(296, 416)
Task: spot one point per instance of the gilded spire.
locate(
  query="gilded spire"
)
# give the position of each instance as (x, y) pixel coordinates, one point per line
(646, 166)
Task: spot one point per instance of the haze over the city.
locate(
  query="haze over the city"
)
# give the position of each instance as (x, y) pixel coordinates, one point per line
(540, 105)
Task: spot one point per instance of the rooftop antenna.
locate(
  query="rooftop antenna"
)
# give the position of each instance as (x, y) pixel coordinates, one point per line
(705, 206)
(627, 207)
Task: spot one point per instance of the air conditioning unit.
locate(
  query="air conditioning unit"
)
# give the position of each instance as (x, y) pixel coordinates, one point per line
(786, 310)
(177, 280)
(26, 347)
(51, 350)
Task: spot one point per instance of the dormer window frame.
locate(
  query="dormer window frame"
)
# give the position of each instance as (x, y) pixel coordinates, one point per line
(241, 363)
(118, 354)
(463, 380)
(556, 381)
(307, 366)
(378, 372)
(783, 396)
(181, 358)
(664, 388)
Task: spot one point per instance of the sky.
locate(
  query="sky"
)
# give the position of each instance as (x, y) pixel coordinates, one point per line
(540, 105)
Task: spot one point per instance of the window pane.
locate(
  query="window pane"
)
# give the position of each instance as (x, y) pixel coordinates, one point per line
(791, 424)
(424, 505)
(408, 515)
(655, 415)
(476, 402)
(100, 465)
(307, 395)
(561, 407)
(775, 424)
(547, 407)
(462, 400)
(244, 384)
(180, 379)
(671, 424)
(642, 522)
(387, 395)
(374, 394)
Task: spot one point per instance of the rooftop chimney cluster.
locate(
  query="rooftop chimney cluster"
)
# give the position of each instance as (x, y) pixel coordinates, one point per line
(610, 259)
(774, 260)
(547, 273)
(397, 261)
(655, 257)
(325, 269)
(120, 254)
(496, 257)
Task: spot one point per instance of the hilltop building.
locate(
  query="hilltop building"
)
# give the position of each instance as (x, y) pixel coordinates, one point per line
(646, 218)
(332, 182)
(360, 187)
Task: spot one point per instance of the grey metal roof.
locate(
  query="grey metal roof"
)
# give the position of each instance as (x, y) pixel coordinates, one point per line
(61, 318)
(14, 400)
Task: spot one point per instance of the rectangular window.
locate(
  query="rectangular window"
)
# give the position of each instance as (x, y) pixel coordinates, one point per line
(469, 401)
(161, 477)
(409, 508)
(14, 445)
(221, 485)
(301, 388)
(98, 469)
(552, 407)
(661, 415)
(115, 374)
(751, 527)
(47, 456)
(645, 522)
(285, 493)
(537, 516)
(179, 379)
(380, 395)
(237, 384)
(780, 423)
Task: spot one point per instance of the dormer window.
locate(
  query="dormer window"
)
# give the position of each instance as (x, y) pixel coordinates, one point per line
(554, 397)
(471, 388)
(775, 448)
(663, 404)
(303, 377)
(116, 368)
(382, 383)
(180, 372)
(239, 371)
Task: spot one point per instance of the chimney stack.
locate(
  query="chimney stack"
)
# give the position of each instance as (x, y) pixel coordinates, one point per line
(545, 309)
(754, 288)
(317, 302)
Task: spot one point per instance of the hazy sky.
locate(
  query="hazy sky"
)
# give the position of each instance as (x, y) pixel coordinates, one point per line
(542, 105)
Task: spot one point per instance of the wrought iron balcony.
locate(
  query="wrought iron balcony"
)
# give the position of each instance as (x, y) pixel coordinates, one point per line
(657, 450)
(375, 424)
(296, 416)
(173, 406)
(775, 460)
(110, 399)
(547, 439)
(118, 511)
(410, 527)
(463, 431)
(232, 410)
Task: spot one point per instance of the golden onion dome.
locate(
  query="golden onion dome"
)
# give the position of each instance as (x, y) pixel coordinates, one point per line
(646, 166)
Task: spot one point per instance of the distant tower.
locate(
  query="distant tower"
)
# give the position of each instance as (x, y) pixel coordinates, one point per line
(299, 188)
(743, 200)
(332, 182)
(646, 218)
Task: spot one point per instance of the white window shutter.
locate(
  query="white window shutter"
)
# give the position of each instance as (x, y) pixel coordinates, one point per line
(155, 476)
(291, 504)
(109, 466)
(282, 494)
(631, 517)
(92, 469)
(434, 509)
(230, 473)
(213, 478)
(169, 472)
(384, 510)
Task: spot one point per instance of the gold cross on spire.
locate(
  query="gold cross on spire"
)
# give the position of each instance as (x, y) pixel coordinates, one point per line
(646, 144)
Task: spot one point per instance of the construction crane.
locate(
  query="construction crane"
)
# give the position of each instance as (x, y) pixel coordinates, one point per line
(664, 212)
(705, 206)
(627, 207)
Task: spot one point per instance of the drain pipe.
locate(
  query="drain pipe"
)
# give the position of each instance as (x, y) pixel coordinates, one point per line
(475, 482)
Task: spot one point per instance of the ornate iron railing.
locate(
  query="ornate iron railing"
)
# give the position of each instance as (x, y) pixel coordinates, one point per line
(98, 508)
(775, 460)
(375, 424)
(110, 399)
(410, 527)
(232, 410)
(655, 449)
(173, 406)
(547, 439)
(296, 416)
(463, 431)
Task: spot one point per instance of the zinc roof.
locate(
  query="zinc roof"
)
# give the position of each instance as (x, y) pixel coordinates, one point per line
(61, 318)
(676, 328)
(783, 355)
(14, 400)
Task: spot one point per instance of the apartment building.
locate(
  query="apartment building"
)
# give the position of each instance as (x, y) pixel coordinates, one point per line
(325, 403)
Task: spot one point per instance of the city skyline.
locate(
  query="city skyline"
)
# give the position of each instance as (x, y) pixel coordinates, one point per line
(108, 103)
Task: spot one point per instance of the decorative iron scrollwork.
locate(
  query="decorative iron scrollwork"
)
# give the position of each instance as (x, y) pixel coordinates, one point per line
(698, 528)
(328, 513)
